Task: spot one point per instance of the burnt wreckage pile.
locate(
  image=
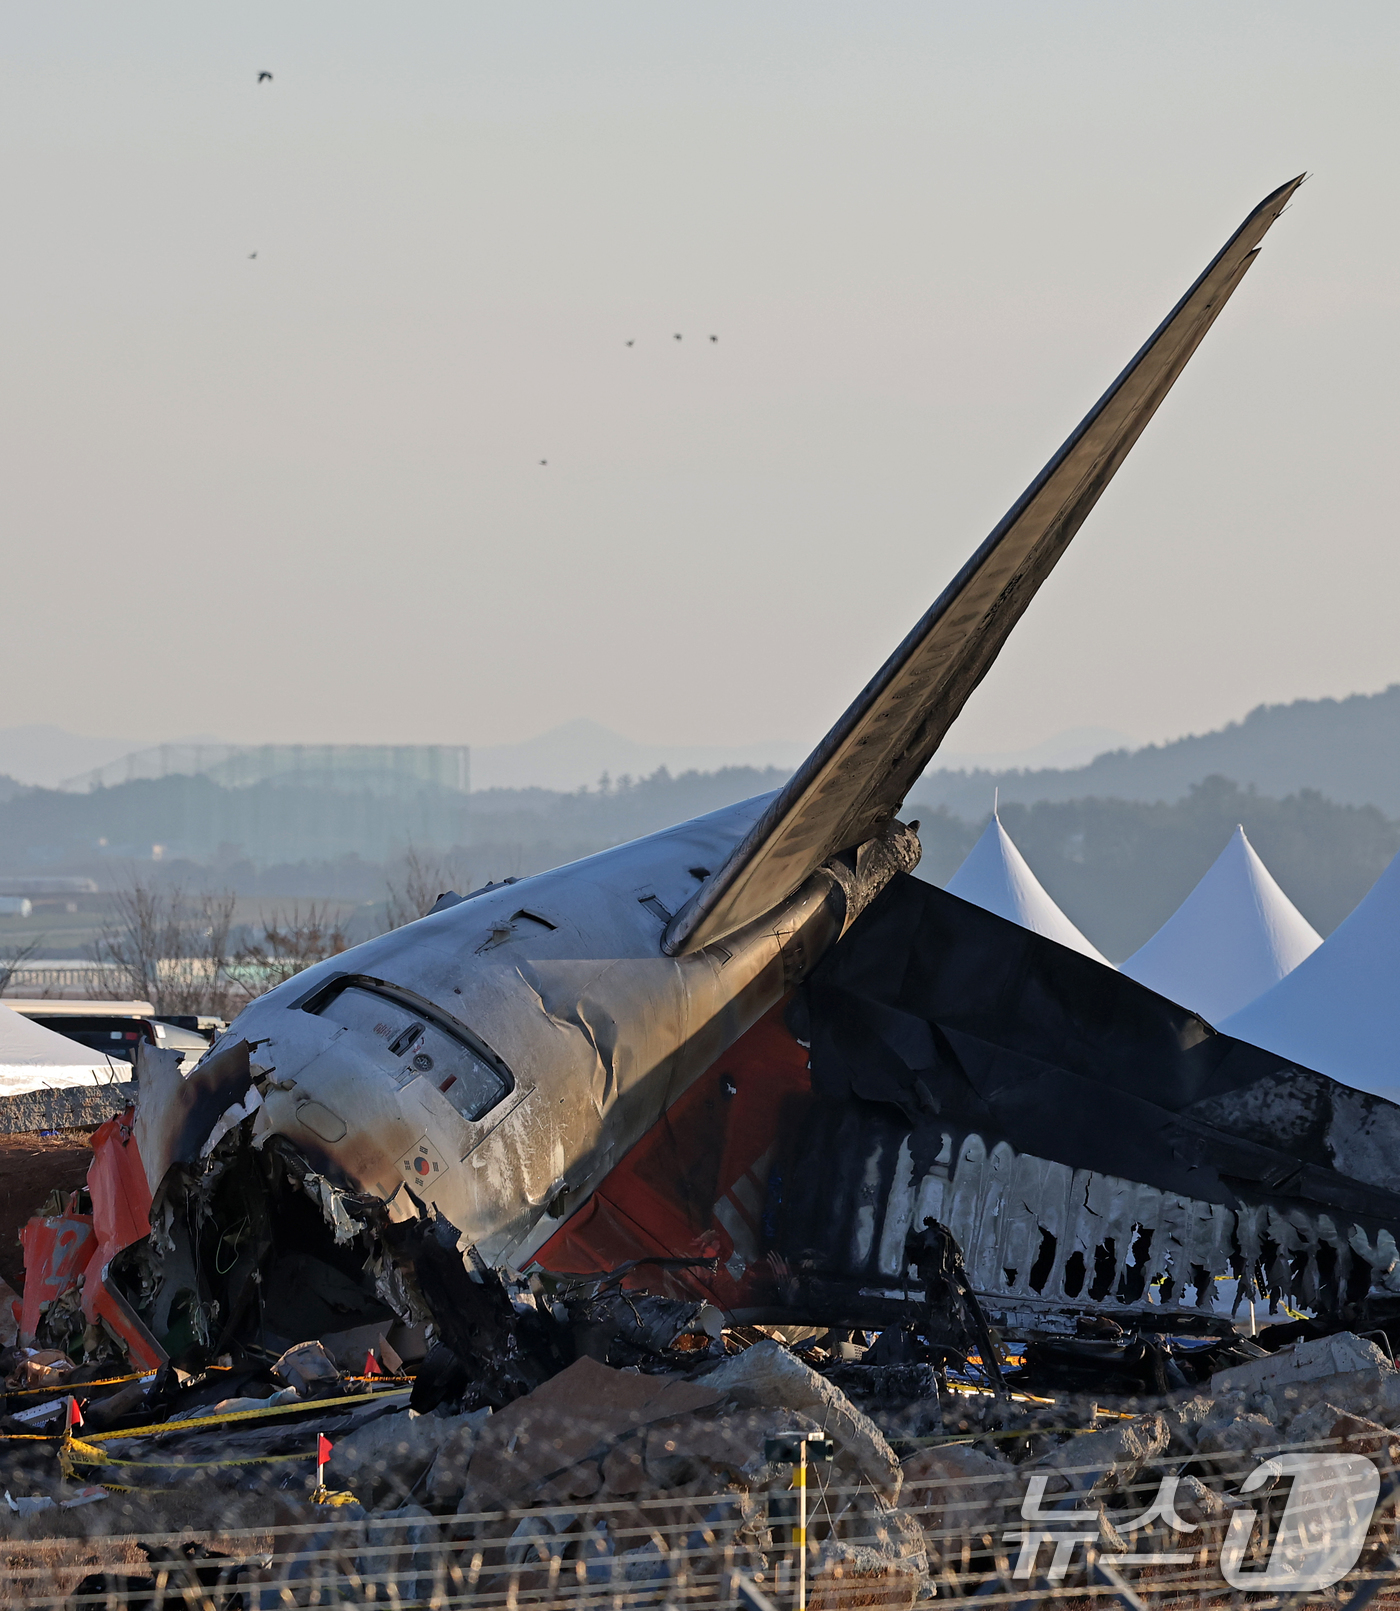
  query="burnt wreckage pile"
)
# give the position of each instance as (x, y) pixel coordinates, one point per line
(1010, 1176)
(997, 1132)
(1087, 1142)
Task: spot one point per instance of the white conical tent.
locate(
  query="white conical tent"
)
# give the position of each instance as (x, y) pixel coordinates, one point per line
(997, 878)
(1339, 1010)
(1233, 937)
(33, 1058)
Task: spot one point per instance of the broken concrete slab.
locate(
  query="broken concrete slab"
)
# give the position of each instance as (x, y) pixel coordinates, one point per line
(863, 1519)
(957, 1491)
(1374, 1392)
(1311, 1361)
(1325, 1426)
(1203, 1506)
(398, 1555)
(448, 1475)
(767, 1374)
(390, 1457)
(1112, 1457)
(583, 1409)
(1230, 1435)
(712, 1451)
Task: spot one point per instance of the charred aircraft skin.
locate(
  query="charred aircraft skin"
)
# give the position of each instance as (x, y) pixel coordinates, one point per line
(498, 1056)
(1088, 1143)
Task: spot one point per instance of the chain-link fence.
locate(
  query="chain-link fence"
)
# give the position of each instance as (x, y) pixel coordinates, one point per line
(1264, 1527)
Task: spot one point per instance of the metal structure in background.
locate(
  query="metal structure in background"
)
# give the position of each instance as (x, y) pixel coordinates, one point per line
(389, 769)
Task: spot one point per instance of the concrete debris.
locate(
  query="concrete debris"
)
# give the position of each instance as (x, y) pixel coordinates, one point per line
(571, 1420)
(220, 1327)
(388, 1459)
(598, 1471)
(1111, 1459)
(397, 1552)
(959, 1492)
(1324, 1426)
(447, 1476)
(1308, 1361)
(769, 1375)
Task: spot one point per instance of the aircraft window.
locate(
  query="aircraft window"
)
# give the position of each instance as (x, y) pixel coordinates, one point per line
(410, 1044)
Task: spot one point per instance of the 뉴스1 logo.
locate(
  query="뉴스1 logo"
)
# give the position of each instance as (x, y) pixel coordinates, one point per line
(1318, 1540)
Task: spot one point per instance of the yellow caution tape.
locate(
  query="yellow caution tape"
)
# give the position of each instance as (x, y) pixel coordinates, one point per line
(233, 1416)
(81, 1454)
(69, 1445)
(81, 1387)
(84, 1451)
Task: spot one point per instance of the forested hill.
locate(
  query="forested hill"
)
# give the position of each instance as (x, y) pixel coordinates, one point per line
(195, 819)
(1347, 749)
(1120, 868)
(1118, 843)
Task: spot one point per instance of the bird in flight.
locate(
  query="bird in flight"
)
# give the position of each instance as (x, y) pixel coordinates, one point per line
(251, 256)
(714, 338)
(264, 75)
(678, 338)
(632, 343)
(544, 461)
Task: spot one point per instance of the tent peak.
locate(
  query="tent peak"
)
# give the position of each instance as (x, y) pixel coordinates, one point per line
(997, 877)
(1233, 937)
(1339, 1012)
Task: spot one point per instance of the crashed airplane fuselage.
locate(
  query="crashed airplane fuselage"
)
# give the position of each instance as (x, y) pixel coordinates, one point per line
(494, 1060)
(499, 1056)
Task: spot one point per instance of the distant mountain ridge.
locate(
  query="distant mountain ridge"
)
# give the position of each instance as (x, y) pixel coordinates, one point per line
(573, 755)
(1347, 749)
(577, 753)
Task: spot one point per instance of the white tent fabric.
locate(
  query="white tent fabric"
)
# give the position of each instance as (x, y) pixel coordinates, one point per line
(1233, 937)
(33, 1058)
(997, 878)
(1339, 1011)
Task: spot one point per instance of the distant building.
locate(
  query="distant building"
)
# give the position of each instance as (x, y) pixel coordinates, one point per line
(385, 769)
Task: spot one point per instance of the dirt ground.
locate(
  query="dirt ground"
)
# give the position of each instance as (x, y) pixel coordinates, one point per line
(30, 1167)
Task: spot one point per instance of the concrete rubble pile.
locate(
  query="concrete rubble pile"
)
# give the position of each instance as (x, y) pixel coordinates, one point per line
(216, 1343)
(601, 1470)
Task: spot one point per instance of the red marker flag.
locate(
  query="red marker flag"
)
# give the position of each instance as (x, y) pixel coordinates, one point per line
(73, 1415)
(372, 1367)
(323, 1448)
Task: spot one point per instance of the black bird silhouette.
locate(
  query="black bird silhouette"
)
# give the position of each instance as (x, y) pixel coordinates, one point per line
(251, 256)
(678, 338)
(631, 343)
(544, 461)
(264, 75)
(714, 338)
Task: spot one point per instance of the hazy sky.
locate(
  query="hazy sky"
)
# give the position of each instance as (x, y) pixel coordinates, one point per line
(299, 496)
